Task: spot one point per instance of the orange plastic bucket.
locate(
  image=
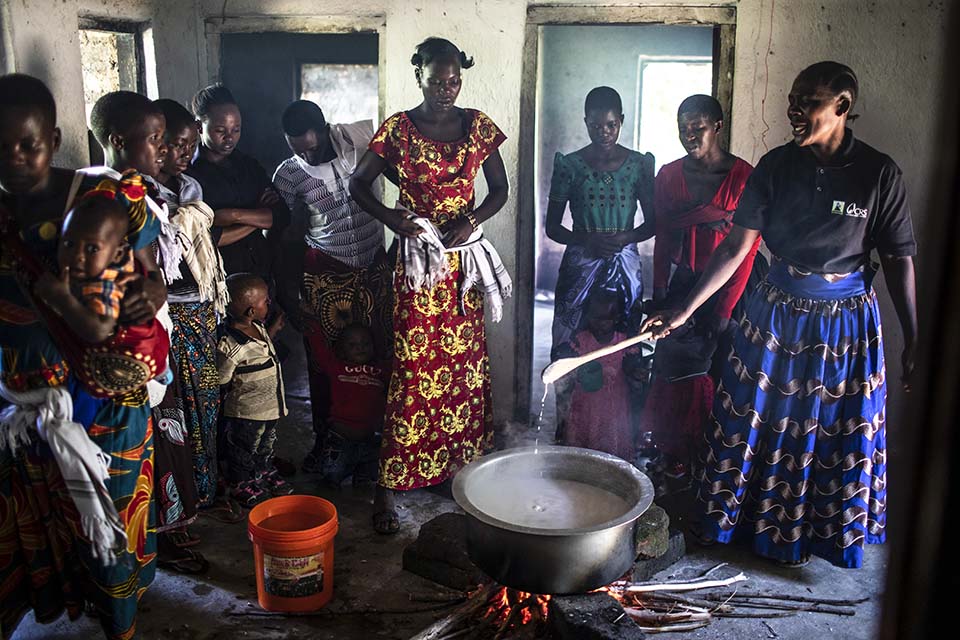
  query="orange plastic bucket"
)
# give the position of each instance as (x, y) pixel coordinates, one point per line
(292, 540)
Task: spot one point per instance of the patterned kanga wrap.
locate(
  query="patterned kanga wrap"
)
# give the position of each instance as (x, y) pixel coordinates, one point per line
(439, 415)
(45, 563)
(796, 459)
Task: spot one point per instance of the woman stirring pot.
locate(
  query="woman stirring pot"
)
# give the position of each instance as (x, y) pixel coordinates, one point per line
(796, 456)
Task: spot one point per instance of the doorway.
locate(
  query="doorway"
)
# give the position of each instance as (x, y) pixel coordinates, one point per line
(266, 71)
(654, 58)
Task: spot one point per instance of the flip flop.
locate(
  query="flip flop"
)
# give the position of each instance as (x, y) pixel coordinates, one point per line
(182, 538)
(794, 564)
(226, 510)
(192, 563)
(386, 522)
(697, 535)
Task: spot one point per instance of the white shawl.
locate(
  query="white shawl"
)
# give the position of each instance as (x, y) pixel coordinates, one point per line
(194, 220)
(425, 264)
(84, 466)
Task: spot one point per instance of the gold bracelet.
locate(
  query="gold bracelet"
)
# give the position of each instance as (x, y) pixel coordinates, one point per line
(472, 219)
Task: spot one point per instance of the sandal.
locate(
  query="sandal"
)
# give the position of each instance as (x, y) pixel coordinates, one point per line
(803, 561)
(273, 484)
(226, 510)
(182, 538)
(191, 563)
(312, 463)
(249, 494)
(699, 537)
(386, 522)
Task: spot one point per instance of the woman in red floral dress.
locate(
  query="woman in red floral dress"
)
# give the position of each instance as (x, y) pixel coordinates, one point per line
(439, 414)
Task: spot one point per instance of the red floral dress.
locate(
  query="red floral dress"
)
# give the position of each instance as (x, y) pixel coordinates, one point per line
(439, 414)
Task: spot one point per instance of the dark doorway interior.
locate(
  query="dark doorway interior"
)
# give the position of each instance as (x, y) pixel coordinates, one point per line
(264, 71)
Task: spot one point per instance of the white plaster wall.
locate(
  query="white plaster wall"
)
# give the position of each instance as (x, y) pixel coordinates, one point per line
(896, 48)
(45, 43)
(180, 49)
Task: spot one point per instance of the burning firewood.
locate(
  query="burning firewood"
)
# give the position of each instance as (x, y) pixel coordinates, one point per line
(445, 625)
(498, 612)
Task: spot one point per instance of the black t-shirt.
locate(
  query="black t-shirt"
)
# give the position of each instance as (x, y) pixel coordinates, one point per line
(828, 218)
(236, 183)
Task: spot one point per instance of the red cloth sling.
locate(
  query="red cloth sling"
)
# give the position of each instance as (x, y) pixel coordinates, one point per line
(121, 364)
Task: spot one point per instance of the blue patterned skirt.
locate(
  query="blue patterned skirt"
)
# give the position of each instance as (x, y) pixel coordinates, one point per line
(796, 455)
(193, 347)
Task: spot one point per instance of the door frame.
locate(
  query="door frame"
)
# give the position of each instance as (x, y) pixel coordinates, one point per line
(215, 27)
(724, 21)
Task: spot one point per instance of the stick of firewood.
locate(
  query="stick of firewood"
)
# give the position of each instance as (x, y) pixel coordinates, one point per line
(813, 608)
(456, 634)
(780, 596)
(436, 597)
(786, 606)
(512, 615)
(719, 610)
(474, 603)
(673, 598)
(716, 568)
(651, 618)
(683, 626)
(684, 586)
(767, 614)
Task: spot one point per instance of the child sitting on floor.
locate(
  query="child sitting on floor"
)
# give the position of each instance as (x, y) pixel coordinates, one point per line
(599, 415)
(253, 400)
(358, 392)
(94, 257)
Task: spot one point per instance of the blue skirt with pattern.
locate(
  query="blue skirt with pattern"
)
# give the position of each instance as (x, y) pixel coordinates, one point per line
(796, 455)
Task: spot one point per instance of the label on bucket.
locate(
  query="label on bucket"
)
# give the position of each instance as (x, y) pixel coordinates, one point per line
(298, 577)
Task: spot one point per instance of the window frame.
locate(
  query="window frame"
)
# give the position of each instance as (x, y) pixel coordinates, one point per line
(92, 23)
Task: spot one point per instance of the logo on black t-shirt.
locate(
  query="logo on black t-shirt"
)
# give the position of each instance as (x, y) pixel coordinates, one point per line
(857, 212)
(840, 208)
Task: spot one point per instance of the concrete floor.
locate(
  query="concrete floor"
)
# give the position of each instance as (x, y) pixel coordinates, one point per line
(372, 592)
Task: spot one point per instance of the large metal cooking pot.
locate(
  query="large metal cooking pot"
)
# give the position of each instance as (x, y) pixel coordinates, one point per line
(553, 560)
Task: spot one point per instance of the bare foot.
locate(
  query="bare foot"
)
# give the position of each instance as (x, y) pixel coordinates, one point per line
(385, 517)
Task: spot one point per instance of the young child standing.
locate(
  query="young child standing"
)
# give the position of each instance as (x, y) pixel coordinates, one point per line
(253, 399)
(358, 398)
(599, 415)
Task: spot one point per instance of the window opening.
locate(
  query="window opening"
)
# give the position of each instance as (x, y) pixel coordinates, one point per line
(345, 92)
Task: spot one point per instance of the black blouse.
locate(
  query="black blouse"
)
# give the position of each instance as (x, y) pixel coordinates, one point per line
(828, 218)
(236, 183)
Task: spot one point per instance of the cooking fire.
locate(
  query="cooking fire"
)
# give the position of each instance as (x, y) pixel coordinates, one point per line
(621, 610)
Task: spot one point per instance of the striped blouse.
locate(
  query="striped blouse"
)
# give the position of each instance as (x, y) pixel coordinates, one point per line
(319, 196)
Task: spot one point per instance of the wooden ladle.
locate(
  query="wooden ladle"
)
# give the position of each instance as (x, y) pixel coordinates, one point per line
(556, 370)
